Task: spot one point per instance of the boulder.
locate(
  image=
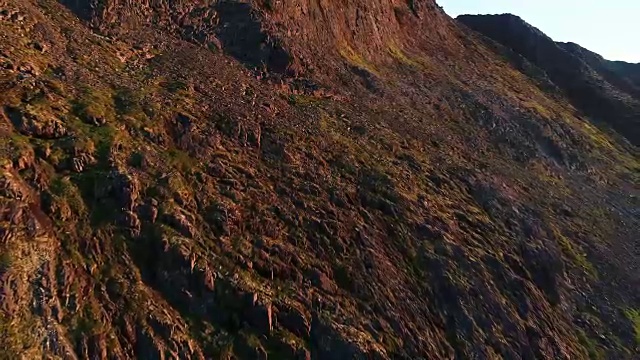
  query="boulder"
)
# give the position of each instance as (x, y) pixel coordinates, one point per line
(322, 281)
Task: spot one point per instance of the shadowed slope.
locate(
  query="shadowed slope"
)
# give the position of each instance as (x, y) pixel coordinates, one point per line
(602, 93)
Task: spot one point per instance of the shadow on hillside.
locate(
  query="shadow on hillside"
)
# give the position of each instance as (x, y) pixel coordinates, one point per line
(241, 36)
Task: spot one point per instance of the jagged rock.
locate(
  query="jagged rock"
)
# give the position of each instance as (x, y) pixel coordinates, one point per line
(303, 354)
(149, 212)
(296, 179)
(42, 125)
(54, 208)
(209, 279)
(130, 221)
(40, 46)
(16, 17)
(29, 69)
(80, 162)
(4, 14)
(294, 321)
(546, 267)
(6, 64)
(260, 316)
(11, 185)
(321, 280)
(181, 223)
(25, 160)
(44, 151)
(6, 164)
(594, 85)
(327, 343)
(250, 351)
(126, 189)
(95, 120)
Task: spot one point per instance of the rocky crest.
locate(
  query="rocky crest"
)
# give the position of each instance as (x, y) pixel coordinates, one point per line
(600, 88)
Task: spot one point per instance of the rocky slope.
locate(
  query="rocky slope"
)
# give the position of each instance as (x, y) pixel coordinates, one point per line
(623, 75)
(300, 179)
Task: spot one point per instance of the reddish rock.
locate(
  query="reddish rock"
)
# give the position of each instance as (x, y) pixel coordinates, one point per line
(180, 222)
(209, 279)
(319, 279)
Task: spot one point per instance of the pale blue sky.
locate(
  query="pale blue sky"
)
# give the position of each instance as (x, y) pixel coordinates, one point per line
(608, 27)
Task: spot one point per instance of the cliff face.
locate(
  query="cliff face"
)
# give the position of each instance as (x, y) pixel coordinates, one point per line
(257, 31)
(306, 179)
(592, 83)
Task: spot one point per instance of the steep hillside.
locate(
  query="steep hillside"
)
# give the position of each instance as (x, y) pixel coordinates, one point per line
(625, 76)
(604, 91)
(303, 180)
(628, 70)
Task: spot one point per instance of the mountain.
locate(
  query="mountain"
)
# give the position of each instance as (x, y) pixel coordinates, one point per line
(310, 180)
(608, 92)
(630, 73)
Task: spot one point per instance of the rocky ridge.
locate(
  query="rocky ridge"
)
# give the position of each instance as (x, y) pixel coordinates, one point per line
(600, 88)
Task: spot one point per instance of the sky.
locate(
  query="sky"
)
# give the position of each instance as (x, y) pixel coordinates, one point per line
(610, 28)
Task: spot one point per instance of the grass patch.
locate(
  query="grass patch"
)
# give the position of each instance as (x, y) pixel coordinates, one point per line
(573, 253)
(181, 160)
(594, 352)
(6, 261)
(17, 338)
(64, 189)
(17, 145)
(176, 86)
(302, 100)
(401, 57)
(357, 60)
(634, 316)
(128, 102)
(94, 104)
(99, 138)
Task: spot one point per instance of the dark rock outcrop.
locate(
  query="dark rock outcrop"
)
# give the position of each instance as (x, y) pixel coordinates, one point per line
(43, 126)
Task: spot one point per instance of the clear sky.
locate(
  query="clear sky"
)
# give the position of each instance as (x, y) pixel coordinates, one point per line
(608, 27)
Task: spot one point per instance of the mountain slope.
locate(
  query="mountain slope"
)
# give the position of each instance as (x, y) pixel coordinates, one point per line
(300, 180)
(591, 83)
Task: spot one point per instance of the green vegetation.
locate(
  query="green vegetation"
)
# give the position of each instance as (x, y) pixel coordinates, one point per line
(357, 60)
(302, 100)
(400, 56)
(128, 102)
(404, 193)
(67, 192)
(176, 86)
(574, 253)
(18, 337)
(137, 160)
(180, 160)
(6, 260)
(94, 105)
(17, 145)
(593, 350)
(634, 317)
